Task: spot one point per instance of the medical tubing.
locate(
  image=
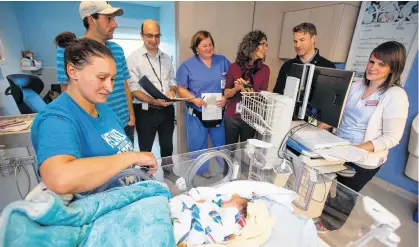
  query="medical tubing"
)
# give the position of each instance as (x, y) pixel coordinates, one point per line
(193, 169)
(137, 172)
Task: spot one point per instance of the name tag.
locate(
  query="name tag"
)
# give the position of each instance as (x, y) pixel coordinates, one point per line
(371, 103)
(223, 84)
(239, 108)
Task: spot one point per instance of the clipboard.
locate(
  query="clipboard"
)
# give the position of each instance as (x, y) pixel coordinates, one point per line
(146, 84)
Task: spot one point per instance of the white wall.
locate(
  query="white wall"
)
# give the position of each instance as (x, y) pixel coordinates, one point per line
(12, 43)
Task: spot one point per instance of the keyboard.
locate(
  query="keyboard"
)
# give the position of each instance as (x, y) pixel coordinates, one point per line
(347, 153)
(315, 138)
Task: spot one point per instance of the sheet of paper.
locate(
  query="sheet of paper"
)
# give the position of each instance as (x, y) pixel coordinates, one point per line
(211, 111)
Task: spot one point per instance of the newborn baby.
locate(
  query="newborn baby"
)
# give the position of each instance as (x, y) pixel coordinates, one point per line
(202, 216)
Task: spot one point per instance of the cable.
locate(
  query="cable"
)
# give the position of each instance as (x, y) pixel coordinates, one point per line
(287, 136)
(290, 133)
(282, 148)
(17, 166)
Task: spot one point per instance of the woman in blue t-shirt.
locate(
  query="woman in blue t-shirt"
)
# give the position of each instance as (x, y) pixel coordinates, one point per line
(79, 142)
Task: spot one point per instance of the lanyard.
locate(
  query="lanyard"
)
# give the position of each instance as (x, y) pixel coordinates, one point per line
(161, 84)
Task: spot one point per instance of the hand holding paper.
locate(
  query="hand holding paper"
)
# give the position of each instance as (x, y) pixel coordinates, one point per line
(212, 111)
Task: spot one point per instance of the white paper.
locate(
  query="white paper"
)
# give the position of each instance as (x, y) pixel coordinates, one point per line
(212, 111)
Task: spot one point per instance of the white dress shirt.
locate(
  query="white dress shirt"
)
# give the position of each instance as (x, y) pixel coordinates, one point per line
(139, 66)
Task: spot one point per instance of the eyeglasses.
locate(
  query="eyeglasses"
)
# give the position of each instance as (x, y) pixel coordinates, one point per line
(264, 44)
(150, 36)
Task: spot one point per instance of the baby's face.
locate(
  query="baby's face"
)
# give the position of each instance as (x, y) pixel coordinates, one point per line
(236, 202)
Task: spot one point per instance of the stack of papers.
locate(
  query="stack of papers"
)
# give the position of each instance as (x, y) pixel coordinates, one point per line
(15, 125)
(348, 153)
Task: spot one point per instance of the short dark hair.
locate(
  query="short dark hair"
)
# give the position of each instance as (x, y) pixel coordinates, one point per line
(80, 51)
(393, 54)
(305, 27)
(198, 37)
(86, 22)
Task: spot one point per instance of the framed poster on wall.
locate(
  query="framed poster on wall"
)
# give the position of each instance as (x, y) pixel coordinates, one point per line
(378, 22)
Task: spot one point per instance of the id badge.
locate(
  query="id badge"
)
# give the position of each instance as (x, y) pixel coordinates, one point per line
(371, 103)
(144, 106)
(239, 107)
(223, 84)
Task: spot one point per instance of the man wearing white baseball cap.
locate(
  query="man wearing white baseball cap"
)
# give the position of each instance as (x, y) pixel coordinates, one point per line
(88, 8)
(99, 20)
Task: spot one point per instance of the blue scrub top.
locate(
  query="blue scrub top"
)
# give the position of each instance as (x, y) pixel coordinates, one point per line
(195, 76)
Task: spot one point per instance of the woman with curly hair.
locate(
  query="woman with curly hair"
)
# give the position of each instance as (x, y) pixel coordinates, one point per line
(248, 73)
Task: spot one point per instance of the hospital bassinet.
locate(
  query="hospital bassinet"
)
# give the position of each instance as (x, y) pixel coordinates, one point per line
(233, 162)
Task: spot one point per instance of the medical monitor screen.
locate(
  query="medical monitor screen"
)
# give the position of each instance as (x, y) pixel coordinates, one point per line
(329, 90)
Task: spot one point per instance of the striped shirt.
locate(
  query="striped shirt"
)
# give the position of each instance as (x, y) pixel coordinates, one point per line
(117, 100)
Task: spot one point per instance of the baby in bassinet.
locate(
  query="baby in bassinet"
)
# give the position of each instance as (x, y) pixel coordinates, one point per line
(202, 216)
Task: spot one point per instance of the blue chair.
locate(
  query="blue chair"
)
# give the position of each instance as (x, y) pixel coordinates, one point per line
(25, 90)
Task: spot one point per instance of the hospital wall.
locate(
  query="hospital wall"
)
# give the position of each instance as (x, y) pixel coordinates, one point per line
(11, 39)
(40, 22)
(168, 27)
(393, 170)
(228, 22)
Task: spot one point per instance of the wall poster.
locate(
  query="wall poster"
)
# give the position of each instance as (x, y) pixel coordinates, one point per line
(378, 22)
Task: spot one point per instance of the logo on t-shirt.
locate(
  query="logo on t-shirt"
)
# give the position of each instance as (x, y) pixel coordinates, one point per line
(117, 140)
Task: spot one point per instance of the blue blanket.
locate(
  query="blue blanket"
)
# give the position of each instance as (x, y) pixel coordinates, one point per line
(135, 215)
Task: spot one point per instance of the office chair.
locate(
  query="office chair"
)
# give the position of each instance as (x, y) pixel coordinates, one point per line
(25, 90)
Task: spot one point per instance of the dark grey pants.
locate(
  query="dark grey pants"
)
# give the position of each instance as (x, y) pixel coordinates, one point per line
(337, 210)
(129, 131)
(235, 128)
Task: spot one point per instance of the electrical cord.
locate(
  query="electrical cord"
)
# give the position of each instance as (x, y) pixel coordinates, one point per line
(287, 136)
(282, 149)
(17, 168)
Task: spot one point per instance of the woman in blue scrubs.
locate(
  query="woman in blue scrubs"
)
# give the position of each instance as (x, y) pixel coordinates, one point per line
(203, 73)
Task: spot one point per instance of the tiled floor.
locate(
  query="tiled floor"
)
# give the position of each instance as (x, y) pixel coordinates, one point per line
(394, 199)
